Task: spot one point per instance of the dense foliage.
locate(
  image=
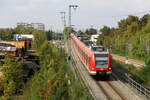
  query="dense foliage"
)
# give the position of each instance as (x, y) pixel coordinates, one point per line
(8, 33)
(55, 80)
(141, 76)
(67, 31)
(52, 82)
(133, 31)
(12, 80)
(132, 36)
(91, 31)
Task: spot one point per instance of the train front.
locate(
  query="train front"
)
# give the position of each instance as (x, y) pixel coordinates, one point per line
(102, 62)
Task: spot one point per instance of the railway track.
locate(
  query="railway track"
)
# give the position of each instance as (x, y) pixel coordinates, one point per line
(130, 61)
(113, 89)
(87, 80)
(110, 91)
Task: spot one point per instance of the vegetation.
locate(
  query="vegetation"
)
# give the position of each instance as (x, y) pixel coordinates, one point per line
(39, 38)
(12, 80)
(8, 33)
(141, 76)
(54, 80)
(91, 31)
(67, 31)
(50, 35)
(132, 30)
(134, 33)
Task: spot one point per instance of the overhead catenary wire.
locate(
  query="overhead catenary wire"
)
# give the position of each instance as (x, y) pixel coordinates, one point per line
(125, 15)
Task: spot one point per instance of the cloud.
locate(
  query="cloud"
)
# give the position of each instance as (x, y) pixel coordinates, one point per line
(34, 4)
(90, 12)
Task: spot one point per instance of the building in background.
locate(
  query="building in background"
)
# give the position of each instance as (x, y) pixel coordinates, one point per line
(27, 38)
(39, 26)
(22, 37)
(60, 36)
(24, 24)
(95, 37)
(4, 29)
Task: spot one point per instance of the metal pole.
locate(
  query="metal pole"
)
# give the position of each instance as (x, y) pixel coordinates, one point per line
(70, 15)
(63, 18)
(74, 7)
(127, 55)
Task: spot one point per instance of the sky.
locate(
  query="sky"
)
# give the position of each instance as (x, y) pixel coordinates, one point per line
(90, 13)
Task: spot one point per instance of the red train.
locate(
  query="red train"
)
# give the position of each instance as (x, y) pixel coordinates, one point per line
(96, 60)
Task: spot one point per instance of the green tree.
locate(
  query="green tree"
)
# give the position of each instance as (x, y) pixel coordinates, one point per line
(21, 29)
(91, 31)
(144, 20)
(132, 29)
(105, 30)
(100, 39)
(49, 35)
(13, 79)
(39, 38)
(67, 31)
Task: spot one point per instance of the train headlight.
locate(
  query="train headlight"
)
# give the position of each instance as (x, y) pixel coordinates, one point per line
(109, 68)
(93, 68)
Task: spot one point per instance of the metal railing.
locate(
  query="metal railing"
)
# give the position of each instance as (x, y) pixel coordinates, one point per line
(135, 85)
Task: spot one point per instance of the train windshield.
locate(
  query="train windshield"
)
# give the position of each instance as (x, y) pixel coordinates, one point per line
(101, 60)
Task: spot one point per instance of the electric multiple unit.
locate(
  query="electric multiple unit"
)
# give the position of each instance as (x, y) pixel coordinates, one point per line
(95, 58)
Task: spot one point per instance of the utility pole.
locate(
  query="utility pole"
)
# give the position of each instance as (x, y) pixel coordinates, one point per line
(63, 14)
(74, 7)
(70, 25)
(126, 62)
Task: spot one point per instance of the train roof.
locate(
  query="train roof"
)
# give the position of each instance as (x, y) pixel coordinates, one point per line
(99, 50)
(94, 49)
(82, 45)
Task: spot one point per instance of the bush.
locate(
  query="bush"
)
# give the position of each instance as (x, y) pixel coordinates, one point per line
(51, 83)
(12, 78)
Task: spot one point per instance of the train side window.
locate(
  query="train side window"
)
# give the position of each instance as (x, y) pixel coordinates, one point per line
(85, 57)
(81, 52)
(88, 58)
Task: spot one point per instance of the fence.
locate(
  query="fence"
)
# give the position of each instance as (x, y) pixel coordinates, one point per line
(138, 87)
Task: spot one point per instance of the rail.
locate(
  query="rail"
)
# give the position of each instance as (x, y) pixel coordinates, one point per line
(83, 83)
(135, 85)
(82, 79)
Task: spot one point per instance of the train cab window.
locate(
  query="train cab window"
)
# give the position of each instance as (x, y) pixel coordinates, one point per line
(101, 60)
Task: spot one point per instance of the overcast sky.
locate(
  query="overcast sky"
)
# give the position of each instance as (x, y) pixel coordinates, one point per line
(91, 13)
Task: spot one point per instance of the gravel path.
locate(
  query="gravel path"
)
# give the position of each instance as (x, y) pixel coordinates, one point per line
(136, 63)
